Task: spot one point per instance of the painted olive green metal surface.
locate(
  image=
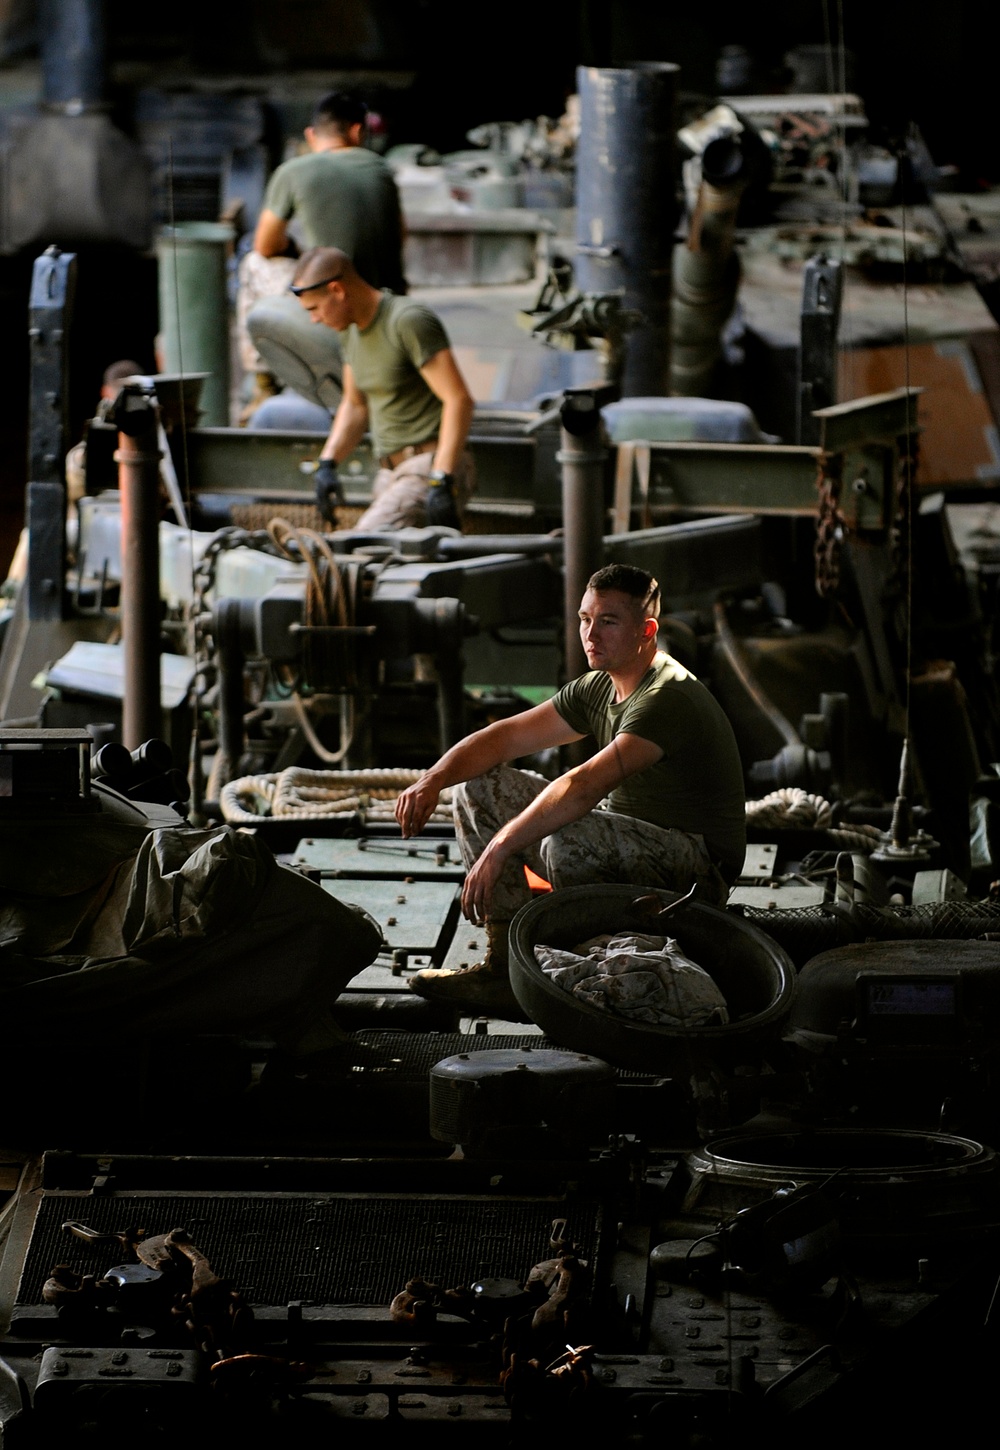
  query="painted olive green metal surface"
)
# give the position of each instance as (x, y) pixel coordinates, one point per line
(194, 306)
(412, 916)
(430, 859)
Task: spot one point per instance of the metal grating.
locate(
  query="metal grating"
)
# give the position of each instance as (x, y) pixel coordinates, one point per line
(806, 931)
(411, 1055)
(335, 1249)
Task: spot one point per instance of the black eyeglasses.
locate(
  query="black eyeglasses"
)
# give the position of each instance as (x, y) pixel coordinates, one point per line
(311, 286)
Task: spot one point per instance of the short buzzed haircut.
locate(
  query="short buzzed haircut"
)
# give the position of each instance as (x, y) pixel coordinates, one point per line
(338, 112)
(322, 262)
(627, 579)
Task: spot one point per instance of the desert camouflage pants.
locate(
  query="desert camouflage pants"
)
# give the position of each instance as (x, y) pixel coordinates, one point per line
(399, 495)
(258, 277)
(602, 846)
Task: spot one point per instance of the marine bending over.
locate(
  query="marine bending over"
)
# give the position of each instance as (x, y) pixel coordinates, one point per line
(402, 383)
(660, 803)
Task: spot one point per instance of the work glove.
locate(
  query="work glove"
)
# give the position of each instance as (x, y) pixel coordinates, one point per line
(329, 492)
(441, 508)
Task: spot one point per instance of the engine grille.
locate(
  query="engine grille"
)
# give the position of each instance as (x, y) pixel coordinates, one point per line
(411, 1055)
(334, 1249)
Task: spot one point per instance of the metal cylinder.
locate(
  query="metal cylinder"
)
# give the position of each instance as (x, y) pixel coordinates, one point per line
(583, 458)
(138, 459)
(194, 309)
(706, 271)
(626, 206)
(73, 53)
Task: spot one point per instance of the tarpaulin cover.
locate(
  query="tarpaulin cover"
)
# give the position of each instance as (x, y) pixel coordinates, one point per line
(168, 931)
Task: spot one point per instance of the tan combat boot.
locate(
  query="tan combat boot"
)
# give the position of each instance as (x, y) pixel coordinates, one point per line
(482, 990)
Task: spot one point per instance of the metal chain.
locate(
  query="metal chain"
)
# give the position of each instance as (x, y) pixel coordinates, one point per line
(203, 578)
(831, 526)
(201, 644)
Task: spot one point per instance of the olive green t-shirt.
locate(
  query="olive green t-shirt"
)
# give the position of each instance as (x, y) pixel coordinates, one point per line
(347, 199)
(385, 358)
(697, 785)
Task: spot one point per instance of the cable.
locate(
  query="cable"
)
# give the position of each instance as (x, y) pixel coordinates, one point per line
(330, 757)
(907, 460)
(742, 672)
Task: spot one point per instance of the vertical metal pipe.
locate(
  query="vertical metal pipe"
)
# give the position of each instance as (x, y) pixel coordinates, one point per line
(138, 460)
(822, 292)
(583, 457)
(626, 206)
(194, 309)
(228, 630)
(706, 270)
(50, 312)
(73, 53)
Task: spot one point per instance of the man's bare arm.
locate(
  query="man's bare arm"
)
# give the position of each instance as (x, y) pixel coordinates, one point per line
(349, 421)
(443, 378)
(564, 800)
(537, 729)
(271, 237)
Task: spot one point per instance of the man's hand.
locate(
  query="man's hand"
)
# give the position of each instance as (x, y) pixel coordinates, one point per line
(414, 806)
(441, 508)
(329, 492)
(477, 893)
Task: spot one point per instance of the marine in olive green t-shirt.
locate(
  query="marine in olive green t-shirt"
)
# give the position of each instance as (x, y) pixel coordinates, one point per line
(345, 198)
(385, 358)
(697, 785)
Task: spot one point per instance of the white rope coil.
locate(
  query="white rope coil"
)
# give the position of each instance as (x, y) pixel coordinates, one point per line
(318, 794)
(792, 808)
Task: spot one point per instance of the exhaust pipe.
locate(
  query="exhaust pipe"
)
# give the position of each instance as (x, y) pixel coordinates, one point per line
(707, 269)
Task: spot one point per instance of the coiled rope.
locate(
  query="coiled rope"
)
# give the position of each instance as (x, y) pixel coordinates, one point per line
(792, 808)
(319, 794)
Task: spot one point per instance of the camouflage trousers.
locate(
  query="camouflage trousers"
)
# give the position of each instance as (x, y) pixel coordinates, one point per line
(601, 846)
(399, 495)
